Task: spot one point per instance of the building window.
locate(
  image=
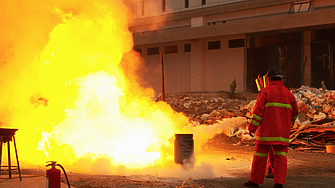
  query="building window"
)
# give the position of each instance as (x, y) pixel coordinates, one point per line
(163, 5)
(187, 3)
(139, 50)
(153, 51)
(236, 43)
(203, 2)
(187, 47)
(300, 7)
(142, 8)
(171, 49)
(214, 45)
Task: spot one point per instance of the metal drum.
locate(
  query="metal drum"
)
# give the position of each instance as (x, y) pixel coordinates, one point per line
(183, 148)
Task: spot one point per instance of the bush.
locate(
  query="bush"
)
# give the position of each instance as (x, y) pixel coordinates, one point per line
(233, 86)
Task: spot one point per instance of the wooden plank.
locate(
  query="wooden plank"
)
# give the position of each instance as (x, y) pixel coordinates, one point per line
(319, 130)
(318, 135)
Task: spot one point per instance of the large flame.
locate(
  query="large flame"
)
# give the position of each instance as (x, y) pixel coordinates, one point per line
(69, 83)
(71, 99)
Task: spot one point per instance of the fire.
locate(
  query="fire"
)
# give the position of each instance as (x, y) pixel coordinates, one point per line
(67, 93)
(69, 82)
(96, 124)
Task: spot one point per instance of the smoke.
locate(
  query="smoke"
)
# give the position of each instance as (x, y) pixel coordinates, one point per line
(198, 167)
(70, 83)
(148, 14)
(203, 132)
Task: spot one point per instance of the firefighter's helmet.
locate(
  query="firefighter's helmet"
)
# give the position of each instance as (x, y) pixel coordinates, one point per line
(274, 73)
(260, 79)
(262, 73)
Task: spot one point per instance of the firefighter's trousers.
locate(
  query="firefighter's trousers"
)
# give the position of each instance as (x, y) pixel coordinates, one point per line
(271, 158)
(260, 160)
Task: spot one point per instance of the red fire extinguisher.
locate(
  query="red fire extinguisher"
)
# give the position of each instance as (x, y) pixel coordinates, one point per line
(54, 175)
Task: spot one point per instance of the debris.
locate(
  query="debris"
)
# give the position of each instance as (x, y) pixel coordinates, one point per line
(190, 185)
(316, 112)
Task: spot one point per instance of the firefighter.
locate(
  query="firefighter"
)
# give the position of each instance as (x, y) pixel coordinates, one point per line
(260, 85)
(275, 110)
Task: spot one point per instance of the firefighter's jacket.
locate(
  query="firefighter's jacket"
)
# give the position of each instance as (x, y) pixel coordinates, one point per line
(275, 110)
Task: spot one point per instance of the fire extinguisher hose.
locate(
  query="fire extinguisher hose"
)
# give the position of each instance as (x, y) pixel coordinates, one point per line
(67, 179)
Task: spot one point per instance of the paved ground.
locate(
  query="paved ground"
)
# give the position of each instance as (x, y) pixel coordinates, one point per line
(305, 170)
(28, 181)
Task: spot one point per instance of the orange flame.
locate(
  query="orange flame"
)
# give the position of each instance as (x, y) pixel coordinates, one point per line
(63, 86)
(73, 100)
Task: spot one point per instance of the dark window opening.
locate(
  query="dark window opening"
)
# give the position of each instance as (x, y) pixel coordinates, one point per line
(139, 51)
(142, 8)
(236, 43)
(163, 5)
(214, 45)
(187, 47)
(153, 51)
(171, 49)
(203, 2)
(187, 3)
(325, 34)
(273, 40)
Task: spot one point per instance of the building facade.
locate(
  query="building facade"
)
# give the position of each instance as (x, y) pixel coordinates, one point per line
(206, 44)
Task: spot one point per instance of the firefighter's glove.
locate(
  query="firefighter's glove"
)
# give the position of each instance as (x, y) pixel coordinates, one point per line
(252, 134)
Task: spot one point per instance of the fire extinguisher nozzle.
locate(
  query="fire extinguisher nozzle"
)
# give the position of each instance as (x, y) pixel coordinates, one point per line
(51, 163)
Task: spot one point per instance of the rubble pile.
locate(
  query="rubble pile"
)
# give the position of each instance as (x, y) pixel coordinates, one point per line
(205, 109)
(313, 130)
(210, 110)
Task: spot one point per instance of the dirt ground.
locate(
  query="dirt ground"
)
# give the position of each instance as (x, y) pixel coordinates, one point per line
(307, 169)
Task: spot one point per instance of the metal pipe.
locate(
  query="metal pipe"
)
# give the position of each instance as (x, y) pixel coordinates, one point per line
(302, 58)
(162, 72)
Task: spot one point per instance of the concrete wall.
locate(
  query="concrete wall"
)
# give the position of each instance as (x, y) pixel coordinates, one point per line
(214, 70)
(265, 24)
(198, 55)
(177, 70)
(200, 70)
(154, 7)
(175, 8)
(250, 14)
(320, 4)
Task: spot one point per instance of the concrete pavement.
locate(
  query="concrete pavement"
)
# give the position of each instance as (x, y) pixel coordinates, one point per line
(28, 181)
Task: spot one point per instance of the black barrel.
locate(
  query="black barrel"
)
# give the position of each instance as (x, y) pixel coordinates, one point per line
(183, 148)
